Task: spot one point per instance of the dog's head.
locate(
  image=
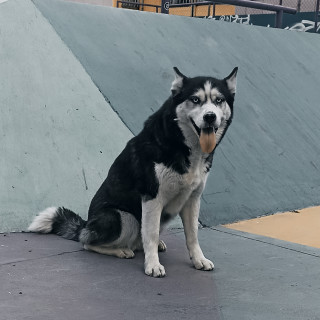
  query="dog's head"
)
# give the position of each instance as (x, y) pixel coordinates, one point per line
(204, 104)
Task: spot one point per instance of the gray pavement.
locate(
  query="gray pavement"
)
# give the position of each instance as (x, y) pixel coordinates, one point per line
(47, 277)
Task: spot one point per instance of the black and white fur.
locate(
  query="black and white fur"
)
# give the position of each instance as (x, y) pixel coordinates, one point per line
(160, 173)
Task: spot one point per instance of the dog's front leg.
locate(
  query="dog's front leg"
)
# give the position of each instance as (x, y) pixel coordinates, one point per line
(189, 216)
(150, 229)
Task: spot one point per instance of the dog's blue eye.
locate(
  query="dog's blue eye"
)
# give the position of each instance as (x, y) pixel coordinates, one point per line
(195, 100)
(219, 100)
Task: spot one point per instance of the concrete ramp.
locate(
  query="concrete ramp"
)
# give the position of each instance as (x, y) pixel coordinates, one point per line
(54, 122)
(60, 62)
(269, 160)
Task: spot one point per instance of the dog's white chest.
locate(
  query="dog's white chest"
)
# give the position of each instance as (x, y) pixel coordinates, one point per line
(175, 189)
(175, 182)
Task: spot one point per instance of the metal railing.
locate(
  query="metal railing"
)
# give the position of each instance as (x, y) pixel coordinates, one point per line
(300, 5)
(138, 5)
(244, 3)
(166, 5)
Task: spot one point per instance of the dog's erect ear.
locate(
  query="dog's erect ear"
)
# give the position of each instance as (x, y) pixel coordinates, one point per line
(177, 83)
(231, 80)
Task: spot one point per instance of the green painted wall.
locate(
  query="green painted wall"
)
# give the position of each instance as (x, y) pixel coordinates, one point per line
(55, 126)
(269, 159)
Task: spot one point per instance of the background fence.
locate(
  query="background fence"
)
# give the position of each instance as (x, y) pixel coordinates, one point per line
(200, 8)
(299, 5)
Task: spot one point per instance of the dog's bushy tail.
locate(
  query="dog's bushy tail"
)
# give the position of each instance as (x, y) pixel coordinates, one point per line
(60, 221)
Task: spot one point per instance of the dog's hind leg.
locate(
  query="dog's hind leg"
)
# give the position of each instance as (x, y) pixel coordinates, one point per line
(117, 252)
(162, 246)
(111, 232)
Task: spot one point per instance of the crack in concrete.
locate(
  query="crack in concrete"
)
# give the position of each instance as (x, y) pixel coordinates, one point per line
(39, 258)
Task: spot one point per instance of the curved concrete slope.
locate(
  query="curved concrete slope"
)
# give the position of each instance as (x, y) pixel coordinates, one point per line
(55, 122)
(269, 160)
(58, 135)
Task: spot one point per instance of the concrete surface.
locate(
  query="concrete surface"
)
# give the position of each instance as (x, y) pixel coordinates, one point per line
(258, 168)
(261, 278)
(47, 277)
(77, 81)
(58, 135)
(58, 280)
(298, 226)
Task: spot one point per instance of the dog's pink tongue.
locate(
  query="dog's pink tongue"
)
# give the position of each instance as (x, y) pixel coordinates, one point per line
(207, 141)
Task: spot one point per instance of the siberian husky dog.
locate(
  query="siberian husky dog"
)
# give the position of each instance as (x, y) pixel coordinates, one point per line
(160, 173)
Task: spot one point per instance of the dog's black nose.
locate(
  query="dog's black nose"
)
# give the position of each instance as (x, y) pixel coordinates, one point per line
(209, 117)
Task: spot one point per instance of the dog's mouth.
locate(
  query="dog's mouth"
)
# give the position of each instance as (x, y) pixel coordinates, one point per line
(207, 137)
(207, 129)
(196, 127)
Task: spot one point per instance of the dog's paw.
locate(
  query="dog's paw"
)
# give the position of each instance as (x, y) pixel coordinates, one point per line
(162, 246)
(156, 270)
(125, 253)
(203, 264)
